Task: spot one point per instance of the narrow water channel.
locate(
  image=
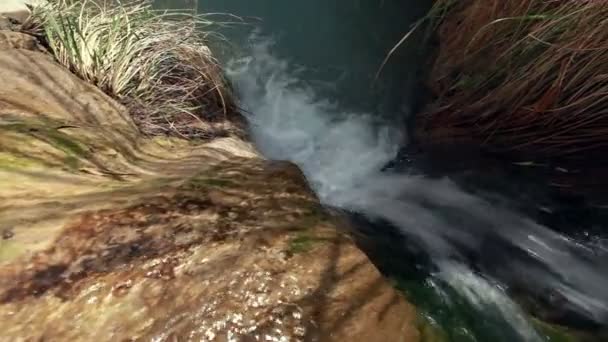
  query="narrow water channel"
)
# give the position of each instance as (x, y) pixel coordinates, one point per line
(475, 265)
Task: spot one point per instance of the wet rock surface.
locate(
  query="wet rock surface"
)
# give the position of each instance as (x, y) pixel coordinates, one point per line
(108, 235)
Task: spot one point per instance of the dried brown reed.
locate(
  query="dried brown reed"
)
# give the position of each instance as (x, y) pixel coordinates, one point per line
(156, 63)
(520, 75)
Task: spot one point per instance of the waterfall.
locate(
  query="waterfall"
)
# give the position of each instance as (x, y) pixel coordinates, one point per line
(342, 154)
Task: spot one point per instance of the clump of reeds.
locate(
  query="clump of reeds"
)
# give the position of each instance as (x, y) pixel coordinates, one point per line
(520, 75)
(156, 63)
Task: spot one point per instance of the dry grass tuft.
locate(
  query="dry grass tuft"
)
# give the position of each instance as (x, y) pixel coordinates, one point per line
(156, 63)
(520, 75)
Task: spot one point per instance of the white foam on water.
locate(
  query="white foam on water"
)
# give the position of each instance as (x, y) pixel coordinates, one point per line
(484, 295)
(342, 154)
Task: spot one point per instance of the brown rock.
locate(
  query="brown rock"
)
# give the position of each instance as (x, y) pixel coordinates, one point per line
(162, 239)
(5, 23)
(18, 40)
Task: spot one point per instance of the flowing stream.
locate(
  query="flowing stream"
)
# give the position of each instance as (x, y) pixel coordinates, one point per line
(474, 264)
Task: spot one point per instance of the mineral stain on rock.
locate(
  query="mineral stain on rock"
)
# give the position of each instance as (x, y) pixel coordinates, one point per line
(7, 233)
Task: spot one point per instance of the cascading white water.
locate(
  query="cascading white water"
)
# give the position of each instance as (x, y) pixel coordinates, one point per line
(342, 155)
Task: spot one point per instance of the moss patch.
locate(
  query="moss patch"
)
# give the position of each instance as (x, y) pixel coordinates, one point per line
(314, 216)
(555, 333)
(215, 182)
(29, 140)
(172, 142)
(303, 242)
(64, 142)
(9, 250)
(11, 161)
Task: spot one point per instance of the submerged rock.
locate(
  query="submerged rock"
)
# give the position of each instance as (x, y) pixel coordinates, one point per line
(109, 235)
